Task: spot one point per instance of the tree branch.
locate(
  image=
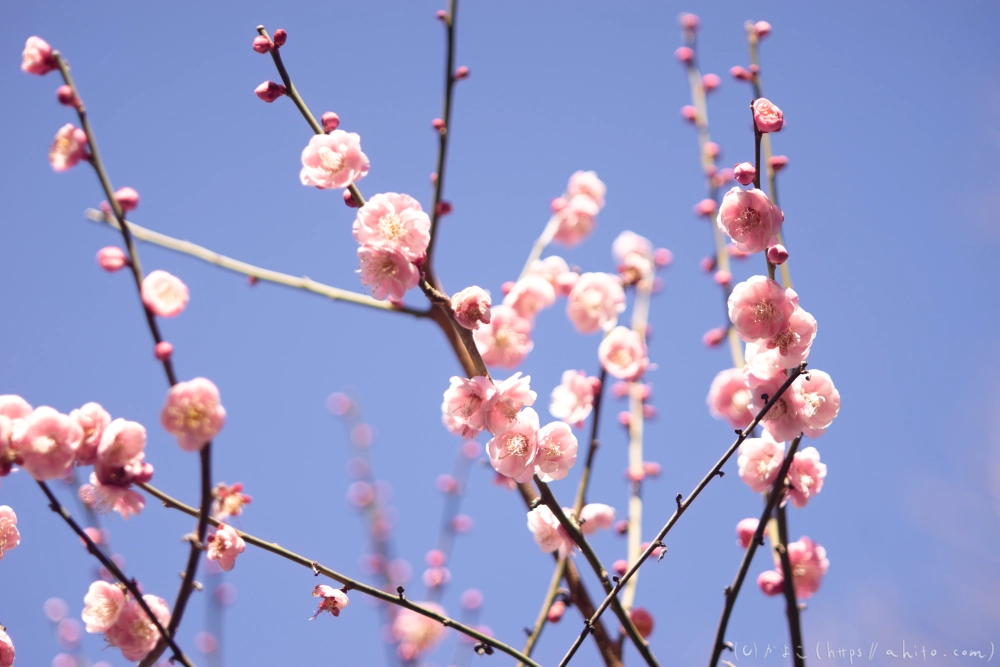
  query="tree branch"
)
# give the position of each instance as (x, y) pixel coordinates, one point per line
(445, 132)
(791, 605)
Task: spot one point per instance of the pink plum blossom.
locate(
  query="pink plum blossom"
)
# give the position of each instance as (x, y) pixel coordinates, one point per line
(762, 28)
(513, 452)
(548, 532)
(767, 116)
(530, 294)
(464, 408)
(128, 199)
(471, 306)
(771, 582)
(46, 443)
(783, 420)
(224, 546)
(330, 120)
(6, 649)
(573, 400)
(134, 633)
(506, 341)
(103, 497)
(777, 254)
(642, 620)
(193, 413)
(816, 401)
(102, 605)
(750, 219)
(793, 342)
(557, 448)
(595, 517)
(745, 530)
(415, 632)
(595, 302)
(729, 396)
(805, 476)
(120, 443)
(68, 148)
(575, 220)
(9, 536)
(93, 419)
(164, 294)
(760, 308)
(37, 57)
(228, 500)
(387, 271)
(333, 600)
(744, 173)
(552, 268)
(14, 407)
(333, 160)
(396, 221)
(809, 566)
(760, 461)
(762, 364)
(112, 258)
(623, 354)
(629, 242)
(587, 183)
(506, 401)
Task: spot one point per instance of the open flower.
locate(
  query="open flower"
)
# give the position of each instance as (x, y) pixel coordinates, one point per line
(506, 340)
(506, 401)
(102, 606)
(809, 566)
(133, 632)
(530, 294)
(805, 476)
(164, 294)
(415, 632)
(586, 183)
(193, 412)
(512, 453)
(760, 308)
(387, 271)
(595, 302)
(93, 419)
(9, 537)
(46, 443)
(333, 600)
(548, 532)
(729, 396)
(816, 401)
(557, 448)
(750, 219)
(68, 148)
(471, 306)
(463, 410)
(760, 461)
(37, 57)
(120, 443)
(103, 497)
(595, 517)
(573, 400)
(333, 160)
(394, 220)
(575, 220)
(623, 354)
(224, 546)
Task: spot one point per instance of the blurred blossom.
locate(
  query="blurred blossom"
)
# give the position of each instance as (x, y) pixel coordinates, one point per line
(55, 609)
(225, 593)
(206, 643)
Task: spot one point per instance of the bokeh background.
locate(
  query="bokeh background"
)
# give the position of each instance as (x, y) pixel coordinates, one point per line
(891, 208)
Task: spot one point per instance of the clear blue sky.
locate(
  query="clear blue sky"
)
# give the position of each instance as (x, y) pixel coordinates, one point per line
(891, 216)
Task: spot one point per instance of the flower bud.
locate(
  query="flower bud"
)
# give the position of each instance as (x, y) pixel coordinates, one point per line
(621, 527)
(777, 254)
(462, 73)
(269, 91)
(441, 15)
(712, 149)
(438, 125)
(723, 277)
(689, 22)
(689, 113)
(624, 418)
(707, 264)
(331, 121)
(280, 37)
(724, 176)
(740, 73)
(443, 208)
(127, 198)
(771, 582)
(652, 468)
(767, 116)
(261, 44)
(663, 257)
(65, 96)
(685, 54)
(349, 199)
(714, 337)
(620, 567)
(778, 162)
(112, 259)
(744, 173)
(163, 350)
(762, 28)
(556, 611)
(642, 620)
(706, 208)
(754, 70)
(710, 82)
(745, 530)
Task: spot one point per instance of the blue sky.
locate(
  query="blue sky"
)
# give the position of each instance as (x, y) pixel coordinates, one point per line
(890, 201)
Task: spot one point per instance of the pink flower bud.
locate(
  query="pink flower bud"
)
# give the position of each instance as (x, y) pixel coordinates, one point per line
(443, 208)
(723, 277)
(652, 468)
(745, 530)
(471, 450)
(438, 125)
(112, 259)
(435, 558)
(740, 73)
(635, 475)
(65, 96)
(163, 350)
(745, 173)
(331, 121)
(261, 44)
(621, 527)
(556, 611)
(127, 198)
(685, 54)
(269, 91)
(724, 176)
(777, 254)
(754, 70)
(280, 37)
(349, 199)
(771, 582)
(689, 22)
(471, 598)
(708, 264)
(767, 116)
(462, 72)
(778, 162)
(655, 552)
(663, 257)
(462, 523)
(712, 149)
(689, 113)
(762, 28)
(620, 567)
(446, 483)
(710, 82)
(705, 208)
(642, 620)
(624, 418)
(649, 411)
(37, 59)
(441, 15)
(714, 337)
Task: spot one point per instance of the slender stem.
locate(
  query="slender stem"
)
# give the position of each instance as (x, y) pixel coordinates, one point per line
(576, 534)
(443, 304)
(212, 257)
(351, 584)
(791, 605)
(449, 86)
(113, 568)
(682, 506)
(757, 134)
(187, 583)
(777, 495)
(581, 489)
(293, 93)
(542, 242)
(543, 613)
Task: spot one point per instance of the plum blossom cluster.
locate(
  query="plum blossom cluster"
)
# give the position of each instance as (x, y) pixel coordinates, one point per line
(393, 232)
(575, 212)
(550, 535)
(809, 565)
(109, 609)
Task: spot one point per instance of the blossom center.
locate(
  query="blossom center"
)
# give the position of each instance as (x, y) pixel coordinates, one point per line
(777, 411)
(621, 357)
(332, 160)
(813, 402)
(785, 339)
(764, 311)
(391, 226)
(747, 222)
(517, 445)
(44, 444)
(471, 406)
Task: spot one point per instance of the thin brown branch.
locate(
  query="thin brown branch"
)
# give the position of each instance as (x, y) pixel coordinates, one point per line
(791, 605)
(445, 132)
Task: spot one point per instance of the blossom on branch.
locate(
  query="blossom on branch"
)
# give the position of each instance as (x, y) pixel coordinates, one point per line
(164, 294)
(750, 219)
(463, 410)
(193, 412)
(809, 566)
(548, 532)
(729, 397)
(623, 354)
(37, 57)
(805, 476)
(9, 535)
(557, 449)
(46, 443)
(506, 340)
(333, 600)
(224, 545)
(134, 633)
(68, 148)
(333, 160)
(415, 632)
(760, 308)
(93, 419)
(102, 605)
(596, 301)
(471, 306)
(513, 452)
(506, 401)
(387, 271)
(573, 400)
(396, 221)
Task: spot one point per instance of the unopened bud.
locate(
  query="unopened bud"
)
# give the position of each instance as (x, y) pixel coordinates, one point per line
(163, 350)
(745, 530)
(642, 620)
(778, 162)
(767, 116)
(740, 73)
(771, 582)
(556, 611)
(689, 113)
(269, 91)
(280, 37)
(620, 567)
(330, 120)
(261, 44)
(127, 198)
(712, 149)
(777, 254)
(112, 259)
(723, 277)
(663, 257)
(685, 54)
(689, 22)
(706, 208)
(762, 28)
(441, 15)
(744, 173)
(438, 125)
(710, 82)
(714, 337)
(708, 264)
(65, 96)
(462, 72)
(443, 208)
(349, 199)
